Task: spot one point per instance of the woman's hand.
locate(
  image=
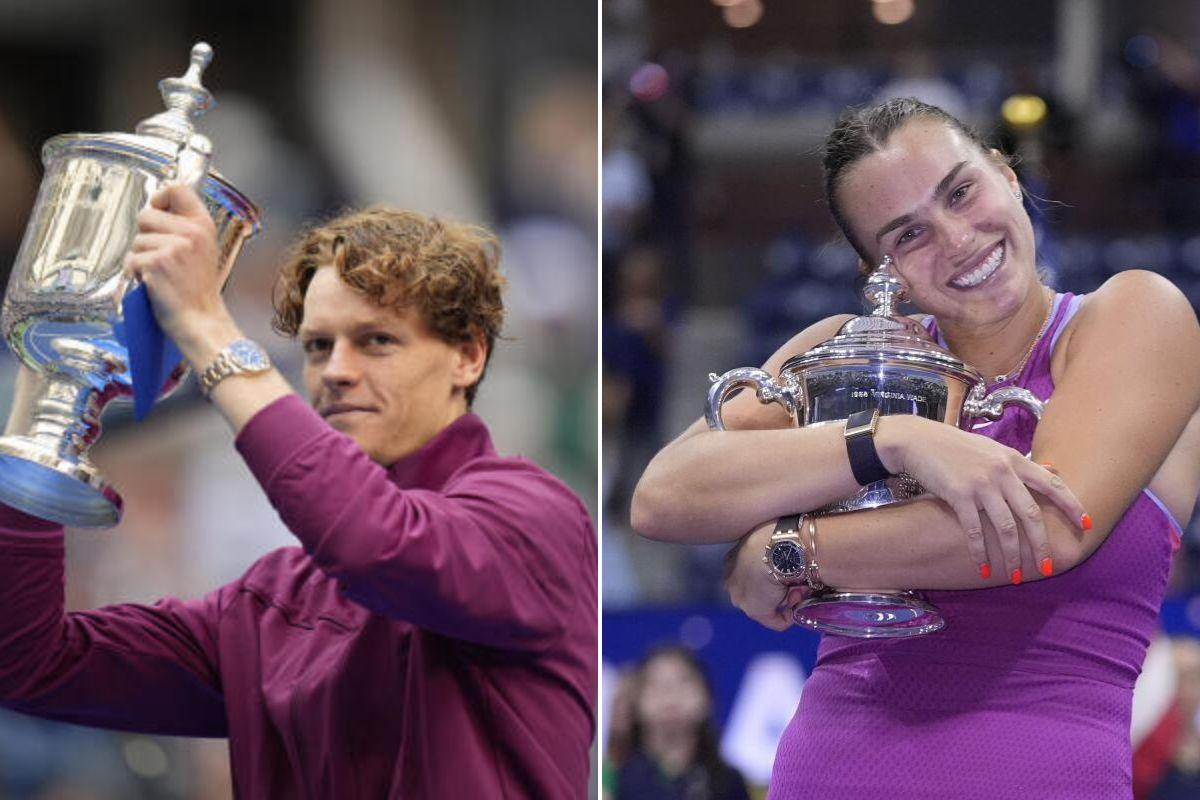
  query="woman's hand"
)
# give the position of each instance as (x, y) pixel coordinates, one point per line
(976, 475)
(750, 586)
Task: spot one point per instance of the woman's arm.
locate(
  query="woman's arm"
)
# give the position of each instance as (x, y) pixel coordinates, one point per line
(1129, 385)
(711, 486)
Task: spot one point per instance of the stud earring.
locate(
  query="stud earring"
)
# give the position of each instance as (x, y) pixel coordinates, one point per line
(1017, 193)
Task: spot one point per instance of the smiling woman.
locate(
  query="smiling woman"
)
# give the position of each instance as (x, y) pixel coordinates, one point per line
(955, 227)
(1038, 670)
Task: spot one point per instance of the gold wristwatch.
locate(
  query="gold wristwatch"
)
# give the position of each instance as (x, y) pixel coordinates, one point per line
(786, 556)
(242, 357)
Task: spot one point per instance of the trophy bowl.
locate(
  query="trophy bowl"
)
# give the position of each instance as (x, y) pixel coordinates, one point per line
(887, 361)
(63, 311)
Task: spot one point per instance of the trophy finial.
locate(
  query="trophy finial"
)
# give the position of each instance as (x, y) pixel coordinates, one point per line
(883, 290)
(185, 98)
(202, 54)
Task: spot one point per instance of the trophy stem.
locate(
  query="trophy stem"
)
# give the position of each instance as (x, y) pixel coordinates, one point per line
(44, 465)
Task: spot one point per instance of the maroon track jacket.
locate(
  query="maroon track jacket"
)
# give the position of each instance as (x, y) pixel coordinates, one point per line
(435, 637)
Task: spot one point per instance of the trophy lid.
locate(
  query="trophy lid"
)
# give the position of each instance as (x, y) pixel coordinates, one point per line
(185, 97)
(884, 336)
(161, 139)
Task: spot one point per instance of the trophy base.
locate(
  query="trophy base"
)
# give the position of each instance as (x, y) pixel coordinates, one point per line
(866, 615)
(45, 485)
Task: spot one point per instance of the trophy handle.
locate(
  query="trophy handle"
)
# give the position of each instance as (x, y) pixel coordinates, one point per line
(991, 406)
(768, 391)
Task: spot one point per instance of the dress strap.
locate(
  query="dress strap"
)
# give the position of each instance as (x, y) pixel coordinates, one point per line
(1073, 306)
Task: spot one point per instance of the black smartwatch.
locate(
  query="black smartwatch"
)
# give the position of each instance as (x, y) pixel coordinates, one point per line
(860, 447)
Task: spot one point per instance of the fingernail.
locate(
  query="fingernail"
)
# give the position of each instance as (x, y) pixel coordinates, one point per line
(985, 570)
(1048, 465)
(1016, 577)
(1086, 522)
(1047, 567)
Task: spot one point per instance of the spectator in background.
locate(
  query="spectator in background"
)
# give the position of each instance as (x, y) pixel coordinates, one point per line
(619, 745)
(672, 751)
(1165, 74)
(918, 75)
(1182, 779)
(636, 343)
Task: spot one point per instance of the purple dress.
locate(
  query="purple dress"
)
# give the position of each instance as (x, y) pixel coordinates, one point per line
(1025, 693)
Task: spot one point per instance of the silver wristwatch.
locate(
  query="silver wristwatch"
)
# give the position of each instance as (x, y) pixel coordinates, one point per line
(786, 556)
(242, 357)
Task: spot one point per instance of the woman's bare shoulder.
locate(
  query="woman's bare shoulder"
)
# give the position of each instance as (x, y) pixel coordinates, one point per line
(1136, 303)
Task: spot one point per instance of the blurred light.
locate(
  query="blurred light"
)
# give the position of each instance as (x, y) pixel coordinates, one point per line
(893, 12)
(728, 2)
(1024, 110)
(743, 14)
(696, 632)
(1192, 609)
(649, 82)
(145, 757)
(1142, 51)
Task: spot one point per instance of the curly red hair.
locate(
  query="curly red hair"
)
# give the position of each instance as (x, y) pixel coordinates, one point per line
(447, 270)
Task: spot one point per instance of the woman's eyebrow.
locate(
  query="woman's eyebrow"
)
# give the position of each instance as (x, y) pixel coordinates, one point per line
(937, 192)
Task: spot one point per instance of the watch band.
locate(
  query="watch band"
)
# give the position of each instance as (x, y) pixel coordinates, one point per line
(788, 523)
(787, 545)
(860, 447)
(241, 357)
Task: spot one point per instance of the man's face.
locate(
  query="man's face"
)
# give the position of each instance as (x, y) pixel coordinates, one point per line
(377, 374)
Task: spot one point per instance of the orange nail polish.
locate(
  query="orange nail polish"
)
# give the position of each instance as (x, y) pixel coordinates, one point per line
(985, 570)
(1048, 465)
(1047, 567)
(1016, 577)
(1086, 522)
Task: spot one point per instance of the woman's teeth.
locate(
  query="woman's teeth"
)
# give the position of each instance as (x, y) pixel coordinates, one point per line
(982, 272)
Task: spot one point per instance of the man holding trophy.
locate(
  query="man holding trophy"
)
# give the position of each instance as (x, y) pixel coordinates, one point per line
(434, 636)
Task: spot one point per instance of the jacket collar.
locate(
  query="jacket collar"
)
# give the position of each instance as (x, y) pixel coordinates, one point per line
(431, 465)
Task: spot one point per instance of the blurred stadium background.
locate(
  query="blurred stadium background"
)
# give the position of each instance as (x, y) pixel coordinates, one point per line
(471, 109)
(717, 247)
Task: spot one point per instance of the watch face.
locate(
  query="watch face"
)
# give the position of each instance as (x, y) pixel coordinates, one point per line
(248, 355)
(787, 558)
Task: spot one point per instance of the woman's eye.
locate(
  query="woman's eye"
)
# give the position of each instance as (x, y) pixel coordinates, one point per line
(961, 192)
(907, 236)
(316, 345)
(381, 339)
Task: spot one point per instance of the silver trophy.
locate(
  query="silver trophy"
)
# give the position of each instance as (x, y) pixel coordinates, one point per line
(62, 314)
(887, 361)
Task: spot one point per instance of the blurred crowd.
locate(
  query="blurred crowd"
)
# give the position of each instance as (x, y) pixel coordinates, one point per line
(466, 109)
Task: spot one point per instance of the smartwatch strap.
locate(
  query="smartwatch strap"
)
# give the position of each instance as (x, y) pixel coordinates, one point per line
(860, 447)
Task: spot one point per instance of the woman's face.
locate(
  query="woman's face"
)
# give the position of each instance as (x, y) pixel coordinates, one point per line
(948, 215)
(672, 697)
